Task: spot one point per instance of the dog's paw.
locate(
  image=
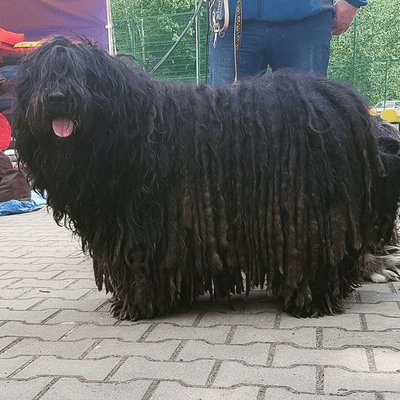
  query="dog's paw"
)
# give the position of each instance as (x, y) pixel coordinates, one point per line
(383, 268)
(385, 275)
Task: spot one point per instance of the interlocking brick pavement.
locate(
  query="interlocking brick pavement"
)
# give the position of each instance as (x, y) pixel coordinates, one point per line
(58, 340)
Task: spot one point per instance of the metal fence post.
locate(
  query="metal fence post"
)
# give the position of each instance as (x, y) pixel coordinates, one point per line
(353, 79)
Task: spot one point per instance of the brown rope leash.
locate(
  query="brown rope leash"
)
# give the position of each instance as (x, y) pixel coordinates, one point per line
(237, 35)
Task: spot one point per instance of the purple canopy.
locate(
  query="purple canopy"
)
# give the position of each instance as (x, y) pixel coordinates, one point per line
(38, 19)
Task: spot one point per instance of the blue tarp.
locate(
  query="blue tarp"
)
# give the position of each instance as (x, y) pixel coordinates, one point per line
(18, 207)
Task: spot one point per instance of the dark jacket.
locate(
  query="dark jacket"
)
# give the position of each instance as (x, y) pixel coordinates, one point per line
(13, 182)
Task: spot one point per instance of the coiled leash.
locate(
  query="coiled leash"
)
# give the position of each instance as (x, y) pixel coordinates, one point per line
(219, 26)
(219, 29)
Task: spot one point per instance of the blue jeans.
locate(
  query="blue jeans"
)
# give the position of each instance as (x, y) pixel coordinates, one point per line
(302, 45)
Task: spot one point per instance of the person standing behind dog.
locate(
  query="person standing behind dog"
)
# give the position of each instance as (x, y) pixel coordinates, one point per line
(292, 34)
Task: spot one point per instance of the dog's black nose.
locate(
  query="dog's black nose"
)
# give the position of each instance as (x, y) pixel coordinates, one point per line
(57, 98)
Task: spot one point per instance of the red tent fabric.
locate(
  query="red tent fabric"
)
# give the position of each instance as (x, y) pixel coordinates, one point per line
(11, 38)
(38, 19)
(5, 133)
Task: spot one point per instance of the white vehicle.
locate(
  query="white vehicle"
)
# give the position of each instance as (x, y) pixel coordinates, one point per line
(388, 104)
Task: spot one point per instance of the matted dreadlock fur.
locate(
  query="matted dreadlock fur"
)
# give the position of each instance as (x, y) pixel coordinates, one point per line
(383, 258)
(175, 190)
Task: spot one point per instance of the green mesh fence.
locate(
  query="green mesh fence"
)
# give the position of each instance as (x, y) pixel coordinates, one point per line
(368, 59)
(149, 39)
(364, 57)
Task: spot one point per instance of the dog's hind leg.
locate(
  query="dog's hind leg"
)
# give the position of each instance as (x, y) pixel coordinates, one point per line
(304, 303)
(383, 267)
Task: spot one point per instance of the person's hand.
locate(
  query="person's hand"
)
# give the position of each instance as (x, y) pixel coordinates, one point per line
(345, 14)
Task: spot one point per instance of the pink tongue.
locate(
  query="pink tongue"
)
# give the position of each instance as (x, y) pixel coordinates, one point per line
(63, 127)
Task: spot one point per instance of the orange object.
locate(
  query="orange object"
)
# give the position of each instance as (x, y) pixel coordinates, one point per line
(11, 38)
(390, 115)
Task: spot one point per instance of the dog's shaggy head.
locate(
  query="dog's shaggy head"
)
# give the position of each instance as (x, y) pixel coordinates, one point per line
(70, 84)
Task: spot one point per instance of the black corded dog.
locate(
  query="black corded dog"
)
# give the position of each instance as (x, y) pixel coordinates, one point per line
(175, 190)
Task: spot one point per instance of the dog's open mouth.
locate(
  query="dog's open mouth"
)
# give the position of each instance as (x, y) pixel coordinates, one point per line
(63, 127)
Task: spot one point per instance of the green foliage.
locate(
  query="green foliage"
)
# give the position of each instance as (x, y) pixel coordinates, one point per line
(140, 8)
(368, 54)
(144, 30)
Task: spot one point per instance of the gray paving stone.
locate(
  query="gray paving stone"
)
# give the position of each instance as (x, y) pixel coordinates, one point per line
(21, 329)
(26, 264)
(43, 261)
(42, 283)
(10, 365)
(374, 287)
(9, 294)
(37, 252)
(189, 373)
(81, 266)
(338, 381)
(376, 297)
(16, 251)
(391, 396)
(283, 394)
(304, 337)
(301, 379)
(73, 389)
(176, 391)
(287, 356)
(106, 307)
(336, 338)
(30, 317)
(387, 360)
(87, 283)
(346, 321)
(253, 354)
(33, 347)
(85, 304)
(86, 273)
(96, 370)
(76, 316)
(156, 351)
(217, 334)
(389, 308)
(74, 253)
(22, 390)
(95, 294)
(68, 294)
(7, 283)
(26, 273)
(5, 341)
(127, 333)
(381, 323)
(18, 304)
(261, 320)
